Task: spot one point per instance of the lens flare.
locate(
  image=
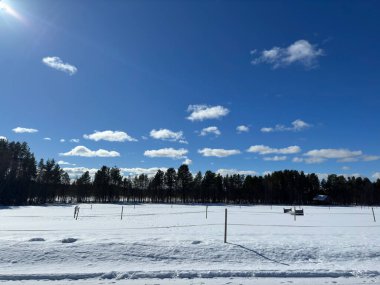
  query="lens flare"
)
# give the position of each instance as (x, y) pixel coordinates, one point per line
(6, 8)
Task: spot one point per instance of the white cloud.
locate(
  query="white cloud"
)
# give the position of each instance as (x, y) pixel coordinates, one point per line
(74, 140)
(263, 149)
(187, 161)
(76, 172)
(47, 139)
(56, 63)
(3, 138)
(376, 175)
(62, 140)
(210, 130)
(301, 52)
(297, 159)
(61, 162)
(225, 172)
(20, 130)
(204, 112)
(267, 130)
(218, 152)
(275, 158)
(328, 153)
(242, 129)
(167, 152)
(81, 150)
(346, 168)
(370, 157)
(111, 136)
(167, 135)
(356, 175)
(322, 176)
(138, 171)
(297, 125)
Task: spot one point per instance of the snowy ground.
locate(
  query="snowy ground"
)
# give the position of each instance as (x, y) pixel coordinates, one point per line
(163, 244)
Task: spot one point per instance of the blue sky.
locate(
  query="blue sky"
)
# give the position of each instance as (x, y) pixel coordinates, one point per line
(140, 80)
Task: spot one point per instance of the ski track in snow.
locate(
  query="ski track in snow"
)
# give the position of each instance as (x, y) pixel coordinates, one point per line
(177, 242)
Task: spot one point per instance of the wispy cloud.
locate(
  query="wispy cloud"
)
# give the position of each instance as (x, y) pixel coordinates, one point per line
(210, 130)
(341, 155)
(62, 140)
(204, 112)
(301, 52)
(168, 135)
(86, 152)
(242, 129)
(370, 157)
(275, 158)
(232, 171)
(263, 149)
(20, 130)
(297, 125)
(167, 152)
(309, 160)
(328, 153)
(187, 161)
(111, 136)
(47, 139)
(56, 63)
(218, 152)
(74, 140)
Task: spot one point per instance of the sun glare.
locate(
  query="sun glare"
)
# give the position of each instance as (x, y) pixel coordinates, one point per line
(4, 7)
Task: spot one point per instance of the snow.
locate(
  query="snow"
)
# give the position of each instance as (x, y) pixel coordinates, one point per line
(176, 244)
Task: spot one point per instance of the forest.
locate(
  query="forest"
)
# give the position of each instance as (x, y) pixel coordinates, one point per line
(23, 181)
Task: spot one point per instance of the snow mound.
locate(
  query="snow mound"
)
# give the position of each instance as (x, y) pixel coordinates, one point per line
(37, 239)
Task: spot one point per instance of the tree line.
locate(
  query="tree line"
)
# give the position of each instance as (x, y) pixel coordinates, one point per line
(24, 181)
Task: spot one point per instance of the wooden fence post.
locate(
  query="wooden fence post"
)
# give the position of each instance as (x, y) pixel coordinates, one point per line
(295, 213)
(225, 225)
(206, 211)
(121, 215)
(77, 214)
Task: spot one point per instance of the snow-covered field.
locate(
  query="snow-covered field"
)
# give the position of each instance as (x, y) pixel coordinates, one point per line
(164, 244)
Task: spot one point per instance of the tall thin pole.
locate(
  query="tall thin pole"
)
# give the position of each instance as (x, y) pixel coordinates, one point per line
(206, 211)
(373, 213)
(122, 210)
(225, 225)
